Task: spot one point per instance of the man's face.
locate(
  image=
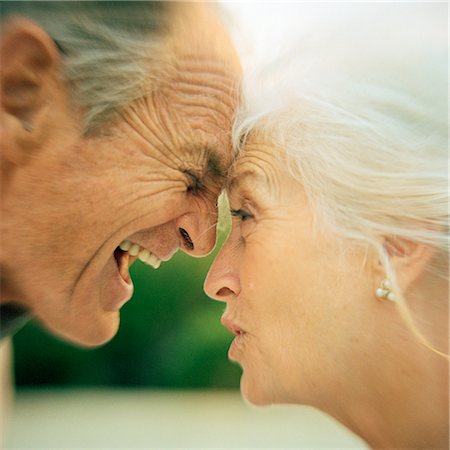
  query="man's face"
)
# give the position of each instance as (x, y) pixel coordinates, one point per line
(152, 180)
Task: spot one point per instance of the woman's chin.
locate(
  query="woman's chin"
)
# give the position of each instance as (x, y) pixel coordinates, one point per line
(254, 393)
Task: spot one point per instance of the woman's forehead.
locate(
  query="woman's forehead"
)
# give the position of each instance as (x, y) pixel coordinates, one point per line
(259, 164)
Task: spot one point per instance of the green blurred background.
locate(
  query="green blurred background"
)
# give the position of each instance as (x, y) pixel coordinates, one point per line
(170, 337)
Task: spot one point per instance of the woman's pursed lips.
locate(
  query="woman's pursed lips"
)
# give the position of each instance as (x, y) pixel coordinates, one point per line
(232, 326)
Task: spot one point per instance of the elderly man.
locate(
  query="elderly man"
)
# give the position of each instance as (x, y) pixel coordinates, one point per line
(115, 142)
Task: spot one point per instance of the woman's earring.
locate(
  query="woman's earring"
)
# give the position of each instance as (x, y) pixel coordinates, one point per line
(384, 291)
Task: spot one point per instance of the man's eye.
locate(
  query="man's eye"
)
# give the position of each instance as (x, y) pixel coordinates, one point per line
(241, 214)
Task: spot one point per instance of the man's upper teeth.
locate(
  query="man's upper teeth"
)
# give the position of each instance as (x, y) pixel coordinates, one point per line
(134, 250)
(143, 254)
(125, 246)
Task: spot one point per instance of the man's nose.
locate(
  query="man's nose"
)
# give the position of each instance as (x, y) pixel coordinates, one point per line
(197, 231)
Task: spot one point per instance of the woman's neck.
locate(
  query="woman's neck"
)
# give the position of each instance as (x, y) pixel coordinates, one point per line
(399, 421)
(400, 400)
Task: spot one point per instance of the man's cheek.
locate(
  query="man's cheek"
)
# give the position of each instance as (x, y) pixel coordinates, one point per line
(165, 205)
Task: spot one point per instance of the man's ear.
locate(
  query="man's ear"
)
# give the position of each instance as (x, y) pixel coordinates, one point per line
(409, 259)
(29, 64)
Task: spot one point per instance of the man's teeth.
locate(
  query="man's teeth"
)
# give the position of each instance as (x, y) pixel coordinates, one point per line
(134, 250)
(143, 254)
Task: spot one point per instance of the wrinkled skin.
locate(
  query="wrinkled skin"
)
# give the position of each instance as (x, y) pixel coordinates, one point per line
(67, 207)
(283, 284)
(314, 332)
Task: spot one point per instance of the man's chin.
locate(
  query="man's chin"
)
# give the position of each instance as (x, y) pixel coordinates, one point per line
(87, 333)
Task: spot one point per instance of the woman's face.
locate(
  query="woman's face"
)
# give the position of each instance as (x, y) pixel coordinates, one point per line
(299, 301)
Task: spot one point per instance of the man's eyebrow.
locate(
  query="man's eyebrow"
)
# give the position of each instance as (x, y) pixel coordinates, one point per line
(214, 164)
(213, 167)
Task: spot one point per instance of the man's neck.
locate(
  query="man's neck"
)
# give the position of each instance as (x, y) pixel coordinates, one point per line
(12, 318)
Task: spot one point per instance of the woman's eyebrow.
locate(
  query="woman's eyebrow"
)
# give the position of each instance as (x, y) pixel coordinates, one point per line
(248, 176)
(253, 184)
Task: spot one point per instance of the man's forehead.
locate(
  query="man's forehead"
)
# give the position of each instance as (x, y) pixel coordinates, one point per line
(197, 28)
(204, 85)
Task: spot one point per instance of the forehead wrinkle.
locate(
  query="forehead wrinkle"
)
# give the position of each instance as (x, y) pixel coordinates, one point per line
(236, 180)
(190, 85)
(205, 68)
(212, 112)
(254, 172)
(139, 124)
(206, 106)
(245, 179)
(200, 102)
(200, 84)
(144, 134)
(198, 95)
(211, 70)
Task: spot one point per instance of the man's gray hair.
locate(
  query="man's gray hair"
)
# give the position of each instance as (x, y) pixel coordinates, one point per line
(111, 50)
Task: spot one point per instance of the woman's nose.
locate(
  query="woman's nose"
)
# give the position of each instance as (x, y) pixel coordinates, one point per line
(197, 232)
(222, 282)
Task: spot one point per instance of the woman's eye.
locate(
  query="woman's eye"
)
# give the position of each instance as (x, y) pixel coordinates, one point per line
(241, 214)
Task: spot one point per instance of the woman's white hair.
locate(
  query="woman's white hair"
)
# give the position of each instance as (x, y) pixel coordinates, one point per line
(111, 51)
(360, 107)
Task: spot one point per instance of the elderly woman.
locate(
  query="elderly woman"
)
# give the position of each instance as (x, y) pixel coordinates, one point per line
(115, 139)
(335, 271)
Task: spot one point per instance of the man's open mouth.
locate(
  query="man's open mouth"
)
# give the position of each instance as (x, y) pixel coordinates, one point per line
(127, 252)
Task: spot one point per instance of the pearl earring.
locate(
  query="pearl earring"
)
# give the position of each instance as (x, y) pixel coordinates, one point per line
(384, 291)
